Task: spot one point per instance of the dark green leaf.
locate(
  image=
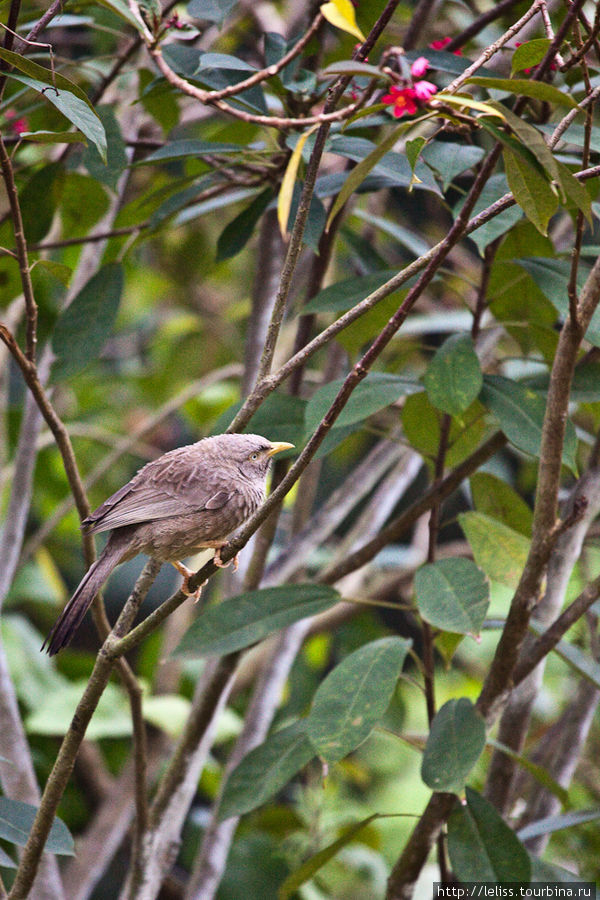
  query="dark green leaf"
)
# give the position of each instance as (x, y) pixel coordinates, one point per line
(452, 594)
(312, 865)
(538, 90)
(451, 159)
(41, 75)
(109, 171)
(238, 232)
(413, 150)
(53, 137)
(16, 819)
(529, 54)
(280, 418)
(454, 745)
(6, 861)
(250, 617)
(378, 390)
(498, 550)
(211, 10)
(346, 294)
(38, 201)
(520, 414)
(354, 697)
(189, 147)
(76, 110)
(495, 188)
(453, 378)
(84, 327)
(482, 847)
(497, 499)
(266, 770)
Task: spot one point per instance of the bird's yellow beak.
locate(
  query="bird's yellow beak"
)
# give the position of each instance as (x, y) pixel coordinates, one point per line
(278, 446)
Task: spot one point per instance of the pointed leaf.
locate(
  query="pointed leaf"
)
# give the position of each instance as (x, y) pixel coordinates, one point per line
(497, 499)
(498, 550)
(340, 13)
(266, 770)
(482, 847)
(465, 101)
(354, 697)
(16, 819)
(453, 378)
(540, 774)
(250, 617)
(452, 594)
(529, 54)
(45, 76)
(84, 327)
(550, 824)
(345, 294)
(520, 413)
(454, 745)
(238, 232)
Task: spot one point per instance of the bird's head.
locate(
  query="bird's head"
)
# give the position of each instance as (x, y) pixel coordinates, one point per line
(251, 454)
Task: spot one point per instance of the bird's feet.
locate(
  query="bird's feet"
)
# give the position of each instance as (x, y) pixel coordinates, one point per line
(223, 565)
(186, 574)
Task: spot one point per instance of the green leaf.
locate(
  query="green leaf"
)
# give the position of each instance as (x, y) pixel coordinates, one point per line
(497, 499)
(84, 327)
(345, 294)
(453, 378)
(16, 819)
(551, 824)
(413, 150)
(520, 413)
(6, 861)
(77, 111)
(53, 137)
(497, 549)
(538, 90)
(375, 392)
(238, 232)
(354, 697)
(352, 67)
(38, 201)
(531, 190)
(496, 187)
(454, 745)
(110, 170)
(482, 847)
(44, 76)
(266, 770)
(452, 594)
(421, 423)
(529, 54)
(312, 865)
(169, 712)
(250, 617)
(211, 10)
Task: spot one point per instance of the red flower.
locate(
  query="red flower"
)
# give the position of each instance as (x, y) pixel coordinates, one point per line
(442, 43)
(402, 100)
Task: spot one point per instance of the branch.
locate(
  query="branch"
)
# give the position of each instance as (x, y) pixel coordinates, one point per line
(63, 766)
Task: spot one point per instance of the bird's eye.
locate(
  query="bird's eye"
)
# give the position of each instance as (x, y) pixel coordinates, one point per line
(253, 456)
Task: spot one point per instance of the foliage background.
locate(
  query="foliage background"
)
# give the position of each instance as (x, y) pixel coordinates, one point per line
(135, 318)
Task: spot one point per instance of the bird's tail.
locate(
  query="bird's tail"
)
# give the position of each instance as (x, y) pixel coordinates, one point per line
(72, 615)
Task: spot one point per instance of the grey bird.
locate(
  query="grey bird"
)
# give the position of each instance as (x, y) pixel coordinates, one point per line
(187, 500)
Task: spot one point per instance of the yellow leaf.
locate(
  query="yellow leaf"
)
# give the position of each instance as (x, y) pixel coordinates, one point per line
(462, 100)
(341, 14)
(286, 192)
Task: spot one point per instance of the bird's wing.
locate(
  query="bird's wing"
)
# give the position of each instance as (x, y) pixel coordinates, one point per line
(169, 486)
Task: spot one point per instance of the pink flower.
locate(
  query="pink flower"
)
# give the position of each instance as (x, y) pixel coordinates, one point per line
(442, 43)
(402, 100)
(424, 90)
(15, 125)
(419, 67)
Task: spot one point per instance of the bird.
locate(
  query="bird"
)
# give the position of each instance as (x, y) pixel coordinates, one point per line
(189, 499)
